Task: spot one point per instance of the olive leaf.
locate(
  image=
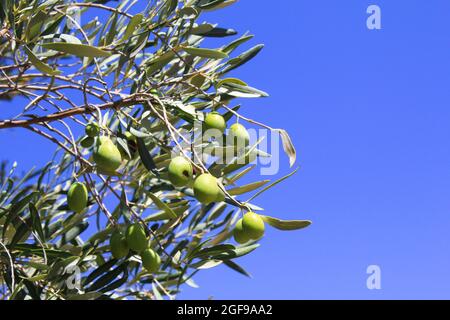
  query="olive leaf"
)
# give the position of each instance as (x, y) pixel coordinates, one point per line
(41, 66)
(234, 266)
(161, 205)
(247, 188)
(215, 4)
(80, 50)
(132, 26)
(240, 91)
(145, 156)
(286, 225)
(272, 185)
(205, 53)
(146, 79)
(242, 58)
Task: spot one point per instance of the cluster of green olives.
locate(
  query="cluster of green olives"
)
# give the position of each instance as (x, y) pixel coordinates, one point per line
(205, 185)
(238, 134)
(120, 244)
(206, 188)
(108, 158)
(134, 239)
(249, 227)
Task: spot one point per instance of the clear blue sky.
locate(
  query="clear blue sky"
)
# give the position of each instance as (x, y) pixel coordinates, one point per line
(369, 113)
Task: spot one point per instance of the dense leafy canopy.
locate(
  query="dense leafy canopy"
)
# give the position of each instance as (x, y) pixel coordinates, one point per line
(136, 76)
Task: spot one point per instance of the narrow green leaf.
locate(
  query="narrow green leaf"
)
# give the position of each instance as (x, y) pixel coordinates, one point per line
(236, 43)
(242, 251)
(215, 4)
(242, 58)
(188, 13)
(74, 232)
(228, 115)
(79, 50)
(93, 295)
(240, 174)
(208, 4)
(139, 133)
(230, 80)
(240, 91)
(236, 252)
(63, 36)
(206, 53)
(233, 265)
(99, 271)
(286, 224)
(41, 66)
(140, 44)
(17, 208)
(131, 27)
(112, 30)
(35, 24)
(201, 29)
(218, 33)
(106, 279)
(36, 221)
(206, 264)
(159, 62)
(145, 156)
(214, 250)
(118, 283)
(38, 277)
(37, 265)
(272, 185)
(162, 206)
(247, 188)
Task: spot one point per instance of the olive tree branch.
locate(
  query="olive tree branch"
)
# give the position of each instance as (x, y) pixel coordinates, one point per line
(118, 104)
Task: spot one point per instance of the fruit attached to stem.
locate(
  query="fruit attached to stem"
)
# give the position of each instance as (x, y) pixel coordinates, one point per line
(136, 237)
(239, 136)
(214, 120)
(240, 236)
(106, 155)
(253, 225)
(206, 189)
(118, 245)
(180, 171)
(77, 197)
(150, 260)
(92, 130)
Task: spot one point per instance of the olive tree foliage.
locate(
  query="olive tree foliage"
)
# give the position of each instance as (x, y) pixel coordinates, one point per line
(139, 70)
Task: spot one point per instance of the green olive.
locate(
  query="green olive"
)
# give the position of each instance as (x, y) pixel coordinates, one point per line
(253, 225)
(239, 136)
(77, 197)
(150, 260)
(136, 237)
(240, 236)
(118, 245)
(214, 120)
(92, 130)
(106, 155)
(180, 171)
(206, 189)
